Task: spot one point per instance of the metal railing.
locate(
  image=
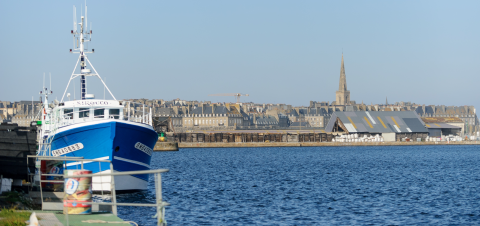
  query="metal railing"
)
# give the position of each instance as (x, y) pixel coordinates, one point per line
(126, 113)
(131, 114)
(159, 204)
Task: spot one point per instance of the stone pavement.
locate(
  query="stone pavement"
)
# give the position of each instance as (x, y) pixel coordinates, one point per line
(48, 219)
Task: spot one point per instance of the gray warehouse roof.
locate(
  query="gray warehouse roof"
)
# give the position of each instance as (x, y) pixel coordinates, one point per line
(377, 122)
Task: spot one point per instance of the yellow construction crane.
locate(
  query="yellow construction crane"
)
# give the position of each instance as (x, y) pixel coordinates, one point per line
(238, 95)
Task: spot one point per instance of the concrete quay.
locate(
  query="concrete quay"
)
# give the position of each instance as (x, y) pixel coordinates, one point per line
(316, 144)
(166, 146)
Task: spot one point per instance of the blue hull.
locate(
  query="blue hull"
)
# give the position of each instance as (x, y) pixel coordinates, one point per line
(112, 140)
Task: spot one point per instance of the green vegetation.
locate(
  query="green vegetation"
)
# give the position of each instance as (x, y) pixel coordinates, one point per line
(11, 217)
(15, 197)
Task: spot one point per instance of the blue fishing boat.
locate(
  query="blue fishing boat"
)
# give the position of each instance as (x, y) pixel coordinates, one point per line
(101, 129)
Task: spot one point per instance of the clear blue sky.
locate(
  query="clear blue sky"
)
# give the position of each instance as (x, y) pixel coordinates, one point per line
(426, 52)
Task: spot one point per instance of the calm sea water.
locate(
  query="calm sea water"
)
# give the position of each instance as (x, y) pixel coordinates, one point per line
(418, 185)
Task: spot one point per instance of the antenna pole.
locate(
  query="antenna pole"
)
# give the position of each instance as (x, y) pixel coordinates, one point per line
(74, 23)
(86, 21)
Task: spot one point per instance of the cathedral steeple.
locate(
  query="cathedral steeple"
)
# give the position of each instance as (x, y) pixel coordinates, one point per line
(342, 95)
(342, 86)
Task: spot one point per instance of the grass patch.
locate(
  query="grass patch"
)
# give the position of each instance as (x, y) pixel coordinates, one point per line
(19, 200)
(10, 217)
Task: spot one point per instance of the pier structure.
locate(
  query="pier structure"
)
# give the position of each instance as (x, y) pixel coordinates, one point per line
(281, 137)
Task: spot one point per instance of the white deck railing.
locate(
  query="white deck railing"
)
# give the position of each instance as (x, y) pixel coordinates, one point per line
(126, 113)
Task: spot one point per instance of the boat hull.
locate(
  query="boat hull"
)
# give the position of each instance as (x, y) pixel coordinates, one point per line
(129, 145)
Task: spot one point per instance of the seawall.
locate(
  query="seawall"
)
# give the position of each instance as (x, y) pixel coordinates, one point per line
(315, 144)
(166, 146)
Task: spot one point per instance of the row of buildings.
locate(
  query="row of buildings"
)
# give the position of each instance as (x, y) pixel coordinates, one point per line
(186, 115)
(20, 112)
(193, 115)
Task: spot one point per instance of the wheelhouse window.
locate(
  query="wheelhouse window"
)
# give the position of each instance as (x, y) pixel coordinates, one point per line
(84, 113)
(68, 113)
(99, 113)
(114, 113)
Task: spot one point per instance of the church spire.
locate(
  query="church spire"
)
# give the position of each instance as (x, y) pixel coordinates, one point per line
(342, 86)
(342, 94)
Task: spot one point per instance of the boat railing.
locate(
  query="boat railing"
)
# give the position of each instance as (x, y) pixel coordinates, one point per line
(159, 203)
(128, 113)
(142, 115)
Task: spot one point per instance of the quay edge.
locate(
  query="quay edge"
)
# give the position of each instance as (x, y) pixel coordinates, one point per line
(317, 144)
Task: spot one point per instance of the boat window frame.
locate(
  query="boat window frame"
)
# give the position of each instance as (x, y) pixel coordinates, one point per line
(102, 116)
(113, 115)
(70, 114)
(82, 111)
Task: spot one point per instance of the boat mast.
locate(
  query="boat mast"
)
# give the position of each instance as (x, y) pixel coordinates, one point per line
(83, 66)
(79, 38)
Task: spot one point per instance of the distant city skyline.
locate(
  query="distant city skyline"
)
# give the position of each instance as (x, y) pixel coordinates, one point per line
(277, 51)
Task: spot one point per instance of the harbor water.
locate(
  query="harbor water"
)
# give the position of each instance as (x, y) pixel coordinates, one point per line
(391, 185)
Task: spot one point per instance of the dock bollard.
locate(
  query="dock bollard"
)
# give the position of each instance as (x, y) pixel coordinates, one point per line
(77, 191)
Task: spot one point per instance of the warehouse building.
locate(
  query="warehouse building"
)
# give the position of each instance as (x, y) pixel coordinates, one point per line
(438, 126)
(391, 125)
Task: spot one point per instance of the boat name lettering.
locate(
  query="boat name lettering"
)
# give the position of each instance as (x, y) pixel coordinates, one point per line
(144, 148)
(67, 149)
(93, 103)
